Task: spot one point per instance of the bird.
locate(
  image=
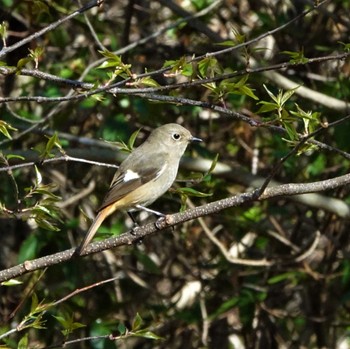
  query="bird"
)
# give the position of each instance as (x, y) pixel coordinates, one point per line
(145, 175)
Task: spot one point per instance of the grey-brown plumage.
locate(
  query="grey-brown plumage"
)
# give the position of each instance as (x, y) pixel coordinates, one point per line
(145, 175)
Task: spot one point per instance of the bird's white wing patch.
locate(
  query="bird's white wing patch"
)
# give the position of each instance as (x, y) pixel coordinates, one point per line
(130, 175)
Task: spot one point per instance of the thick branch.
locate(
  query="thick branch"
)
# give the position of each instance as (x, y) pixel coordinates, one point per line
(172, 220)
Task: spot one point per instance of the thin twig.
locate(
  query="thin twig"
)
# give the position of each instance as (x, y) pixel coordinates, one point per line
(50, 27)
(56, 159)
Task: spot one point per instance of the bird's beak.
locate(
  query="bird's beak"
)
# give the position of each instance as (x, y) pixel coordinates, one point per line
(195, 139)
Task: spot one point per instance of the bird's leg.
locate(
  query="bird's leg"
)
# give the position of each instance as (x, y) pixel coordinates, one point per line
(136, 225)
(132, 218)
(157, 213)
(160, 214)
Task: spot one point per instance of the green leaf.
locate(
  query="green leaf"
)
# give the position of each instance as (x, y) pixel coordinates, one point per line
(114, 61)
(5, 127)
(224, 307)
(190, 69)
(247, 91)
(68, 324)
(37, 52)
(23, 342)
(51, 143)
(209, 67)
(34, 304)
(4, 64)
(122, 329)
(39, 7)
(38, 176)
(132, 139)
(286, 95)
(318, 166)
(296, 57)
(147, 81)
(213, 164)
(346, 46)
(11, 282)
(229, 43)
(23, 61)
(46, 224)
(290, 276)
(240, 87)
(146, 334)
(3, 30)
(178, 66)
(137, 322)
(14, 156)
(272, 96)
(267, 107)
(238, 37)
(28, 248)
(292, 132)
(169, 63)
(46, 190)
(192, 192)
(310, 119)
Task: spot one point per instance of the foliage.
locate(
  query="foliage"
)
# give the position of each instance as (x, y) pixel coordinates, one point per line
(258, 81)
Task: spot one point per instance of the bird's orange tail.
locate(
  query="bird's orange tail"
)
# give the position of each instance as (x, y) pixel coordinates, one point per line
(92, 230)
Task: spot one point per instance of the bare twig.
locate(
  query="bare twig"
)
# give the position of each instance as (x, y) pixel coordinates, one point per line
(50, 27)
(56, 159)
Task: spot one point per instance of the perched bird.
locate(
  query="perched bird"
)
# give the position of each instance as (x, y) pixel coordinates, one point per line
(145, 175)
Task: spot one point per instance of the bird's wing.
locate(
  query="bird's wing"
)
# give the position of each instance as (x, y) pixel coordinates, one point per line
(131, 176)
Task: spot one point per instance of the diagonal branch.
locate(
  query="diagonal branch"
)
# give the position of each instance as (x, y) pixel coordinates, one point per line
(129, 238)
(50, 27)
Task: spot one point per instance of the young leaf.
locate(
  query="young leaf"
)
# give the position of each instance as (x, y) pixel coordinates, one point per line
(132, 139)
(213, 164)
(34, 304)
(177, 66)
(23, 61)
(146, 334)
(147, 81)
(38, 176)
(137, 322)
(5, 127)
(23, 343)
(114, 61)
(266, 107)
(192, 192)
(122, 329)
(68, 324)
(14, 156)
(11, 282)
(272, 96)
(51, 143)
(346, 46)
(208, 67)
(296, 57)
(3, 30)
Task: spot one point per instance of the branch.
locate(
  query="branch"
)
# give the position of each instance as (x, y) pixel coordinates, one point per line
(50, 27)
(232, 173)
(131, 237)
(56, 159)
(145, 91)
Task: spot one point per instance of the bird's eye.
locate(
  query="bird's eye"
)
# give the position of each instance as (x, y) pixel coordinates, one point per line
(176, 136)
